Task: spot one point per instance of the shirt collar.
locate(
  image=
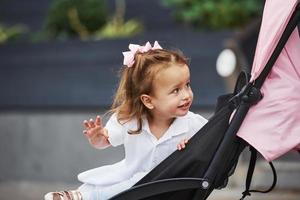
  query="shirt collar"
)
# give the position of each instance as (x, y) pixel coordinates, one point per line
(179, 126)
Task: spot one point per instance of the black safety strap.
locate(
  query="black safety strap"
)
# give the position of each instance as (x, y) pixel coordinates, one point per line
(250, 172)
(273, 184)
(251, 168)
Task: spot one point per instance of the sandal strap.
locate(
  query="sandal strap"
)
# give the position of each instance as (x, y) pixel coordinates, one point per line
(57, 196)
(79, 196)
(76, 195)
(67, 195)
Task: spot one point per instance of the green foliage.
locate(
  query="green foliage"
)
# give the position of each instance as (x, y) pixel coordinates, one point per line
(115, 29)
(87, 19)
(67, 17)
(215, 14)
(11, 33)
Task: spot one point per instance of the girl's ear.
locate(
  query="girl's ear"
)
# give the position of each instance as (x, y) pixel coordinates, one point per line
(147, 101)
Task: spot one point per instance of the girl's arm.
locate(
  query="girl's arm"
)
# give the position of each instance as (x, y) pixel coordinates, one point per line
(95, 133)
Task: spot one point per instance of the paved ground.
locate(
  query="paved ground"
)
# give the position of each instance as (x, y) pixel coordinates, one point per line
(35, 191)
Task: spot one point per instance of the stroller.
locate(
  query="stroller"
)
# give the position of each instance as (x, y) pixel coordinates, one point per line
(212, 153)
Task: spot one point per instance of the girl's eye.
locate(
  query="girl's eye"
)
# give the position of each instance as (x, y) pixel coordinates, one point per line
(188, 85)
(175, 91)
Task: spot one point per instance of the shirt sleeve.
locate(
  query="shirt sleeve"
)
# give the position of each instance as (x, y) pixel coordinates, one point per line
(116, 131)
(196, 122)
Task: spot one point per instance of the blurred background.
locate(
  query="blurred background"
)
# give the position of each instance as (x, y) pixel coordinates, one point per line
(59, 63)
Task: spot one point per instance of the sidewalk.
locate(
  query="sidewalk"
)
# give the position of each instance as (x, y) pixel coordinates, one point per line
(35, 191)
(236, 194)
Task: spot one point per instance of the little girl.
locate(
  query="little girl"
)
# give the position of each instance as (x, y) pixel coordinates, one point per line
(151, 118)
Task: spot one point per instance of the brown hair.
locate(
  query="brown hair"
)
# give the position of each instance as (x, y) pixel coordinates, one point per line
(138, 80)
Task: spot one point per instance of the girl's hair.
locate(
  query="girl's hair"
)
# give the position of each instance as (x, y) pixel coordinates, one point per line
(137, 80)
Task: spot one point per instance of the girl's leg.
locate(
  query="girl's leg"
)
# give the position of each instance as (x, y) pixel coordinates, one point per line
(94, 192)
(110, 191)
(113, 190)
(89, 192)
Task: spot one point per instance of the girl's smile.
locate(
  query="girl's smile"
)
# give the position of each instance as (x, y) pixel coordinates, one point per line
(185, 106)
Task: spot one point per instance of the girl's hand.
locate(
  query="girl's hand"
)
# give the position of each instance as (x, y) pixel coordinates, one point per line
(95, 133)
(182, 144)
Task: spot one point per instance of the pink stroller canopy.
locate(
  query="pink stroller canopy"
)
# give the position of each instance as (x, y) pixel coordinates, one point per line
(273, 125)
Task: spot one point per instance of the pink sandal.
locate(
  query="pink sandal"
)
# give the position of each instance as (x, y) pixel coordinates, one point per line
(64, 195)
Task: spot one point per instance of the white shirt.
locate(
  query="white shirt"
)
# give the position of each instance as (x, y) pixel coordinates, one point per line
(143, 151)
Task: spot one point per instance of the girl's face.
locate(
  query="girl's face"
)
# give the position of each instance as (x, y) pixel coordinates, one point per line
(172, 95)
